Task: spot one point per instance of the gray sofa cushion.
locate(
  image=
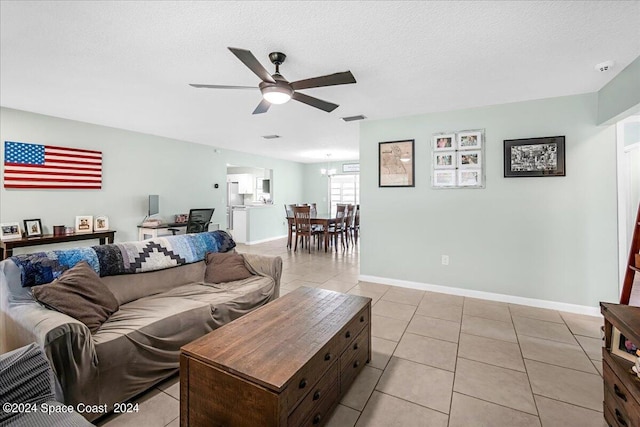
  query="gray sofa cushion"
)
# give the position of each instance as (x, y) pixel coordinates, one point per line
(225, 267)
(130, 287)
(79, 293)
(229, 301)
(140, 344)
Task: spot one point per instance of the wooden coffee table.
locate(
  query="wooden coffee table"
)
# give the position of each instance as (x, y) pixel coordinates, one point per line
(284, 364)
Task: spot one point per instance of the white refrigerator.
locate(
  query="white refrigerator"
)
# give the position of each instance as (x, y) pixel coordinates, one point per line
(234, 198)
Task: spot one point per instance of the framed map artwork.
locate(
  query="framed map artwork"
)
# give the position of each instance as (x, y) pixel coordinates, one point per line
(396, 164)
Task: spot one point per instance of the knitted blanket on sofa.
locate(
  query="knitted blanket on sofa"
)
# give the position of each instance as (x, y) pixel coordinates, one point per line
(123, 258)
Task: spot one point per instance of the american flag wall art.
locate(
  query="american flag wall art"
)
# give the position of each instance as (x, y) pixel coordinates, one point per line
(46, 166)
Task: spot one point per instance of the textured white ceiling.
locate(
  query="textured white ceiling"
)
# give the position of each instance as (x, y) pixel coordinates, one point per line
(128, 64)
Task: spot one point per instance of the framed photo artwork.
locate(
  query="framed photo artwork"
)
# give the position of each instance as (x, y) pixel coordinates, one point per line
(469, 177)
(623, 347)
(396, 164)
(469, 140)
(84, 224)
(101, 223)
(458, 159)
(534, 157)
(444, 178)
(32, 228)
(444, 160)
(444, 142)
(469, 159)
(10, 230)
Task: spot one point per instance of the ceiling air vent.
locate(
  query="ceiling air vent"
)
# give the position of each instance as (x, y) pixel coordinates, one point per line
(353, 118)
(271, 136)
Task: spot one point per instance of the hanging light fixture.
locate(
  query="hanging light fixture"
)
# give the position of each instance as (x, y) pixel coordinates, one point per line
(328, 171)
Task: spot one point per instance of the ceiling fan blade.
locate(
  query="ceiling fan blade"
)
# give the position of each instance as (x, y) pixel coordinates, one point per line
(330, 80)
(262, 107)
(222, 86)
(254, 65)
(314, 102)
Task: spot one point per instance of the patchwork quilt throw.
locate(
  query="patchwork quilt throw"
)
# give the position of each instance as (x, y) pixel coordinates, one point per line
(123, 258)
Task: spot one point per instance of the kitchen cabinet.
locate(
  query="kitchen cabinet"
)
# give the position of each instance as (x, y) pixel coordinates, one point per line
(240, 230)
(246, 182)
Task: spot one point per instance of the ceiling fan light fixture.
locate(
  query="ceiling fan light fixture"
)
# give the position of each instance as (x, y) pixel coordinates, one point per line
(277, 94)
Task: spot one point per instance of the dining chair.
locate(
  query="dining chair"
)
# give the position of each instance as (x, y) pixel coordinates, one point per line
(348, 223)
(317, 228)
(356, 224)
(337, 229)
(302, 215)
(288, 209)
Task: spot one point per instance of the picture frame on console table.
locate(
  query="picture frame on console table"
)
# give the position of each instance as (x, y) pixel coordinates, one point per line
(32, 228)
(101, 223)
(396, 164)
(84, 224)
(621, 346)
(10, 230)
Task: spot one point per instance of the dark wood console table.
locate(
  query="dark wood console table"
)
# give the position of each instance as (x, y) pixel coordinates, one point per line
(7, 246)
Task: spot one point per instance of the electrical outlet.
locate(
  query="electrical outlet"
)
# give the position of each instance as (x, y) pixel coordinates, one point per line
(445, 259)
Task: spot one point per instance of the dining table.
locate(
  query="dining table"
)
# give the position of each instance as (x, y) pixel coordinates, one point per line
(325, 220)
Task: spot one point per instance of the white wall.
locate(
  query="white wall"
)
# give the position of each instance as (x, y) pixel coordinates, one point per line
(134, 166)
(550, 238)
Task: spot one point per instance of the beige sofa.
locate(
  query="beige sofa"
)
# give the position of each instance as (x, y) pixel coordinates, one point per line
(139, 345)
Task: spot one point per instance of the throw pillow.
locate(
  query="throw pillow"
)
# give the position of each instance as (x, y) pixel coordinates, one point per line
(225, 267)
(81, 294)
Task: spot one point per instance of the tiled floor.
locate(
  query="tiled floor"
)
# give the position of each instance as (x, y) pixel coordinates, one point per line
(441, 360)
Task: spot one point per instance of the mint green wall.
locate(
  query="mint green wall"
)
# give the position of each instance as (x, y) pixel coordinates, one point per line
(621, 96)
(316, 185)
(134, 166)
(551, 238)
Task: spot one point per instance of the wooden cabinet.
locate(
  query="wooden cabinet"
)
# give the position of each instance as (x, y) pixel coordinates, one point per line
(621, 384)
(285, 364)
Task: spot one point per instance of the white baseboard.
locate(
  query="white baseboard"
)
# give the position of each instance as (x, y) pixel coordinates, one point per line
(270, 239)
(511, 299)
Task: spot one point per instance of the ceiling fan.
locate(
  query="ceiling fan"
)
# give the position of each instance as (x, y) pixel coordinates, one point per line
(278, 90)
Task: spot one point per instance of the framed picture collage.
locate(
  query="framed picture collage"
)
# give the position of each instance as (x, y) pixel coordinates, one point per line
(458, 159)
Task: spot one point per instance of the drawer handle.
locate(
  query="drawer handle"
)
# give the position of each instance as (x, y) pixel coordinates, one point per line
(356, 363)
(303, 383)
(316, 395)
(361, 319)
(316, 419)
(355, 346)
(618, 393)
(327, 356)
(620, 418)
(348, 334)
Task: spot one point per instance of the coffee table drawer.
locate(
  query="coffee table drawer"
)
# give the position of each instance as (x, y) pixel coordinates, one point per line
(353, 360)
(309, 375)
(619, 395)
(322, 411)
(353, 328)
(326, 387)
